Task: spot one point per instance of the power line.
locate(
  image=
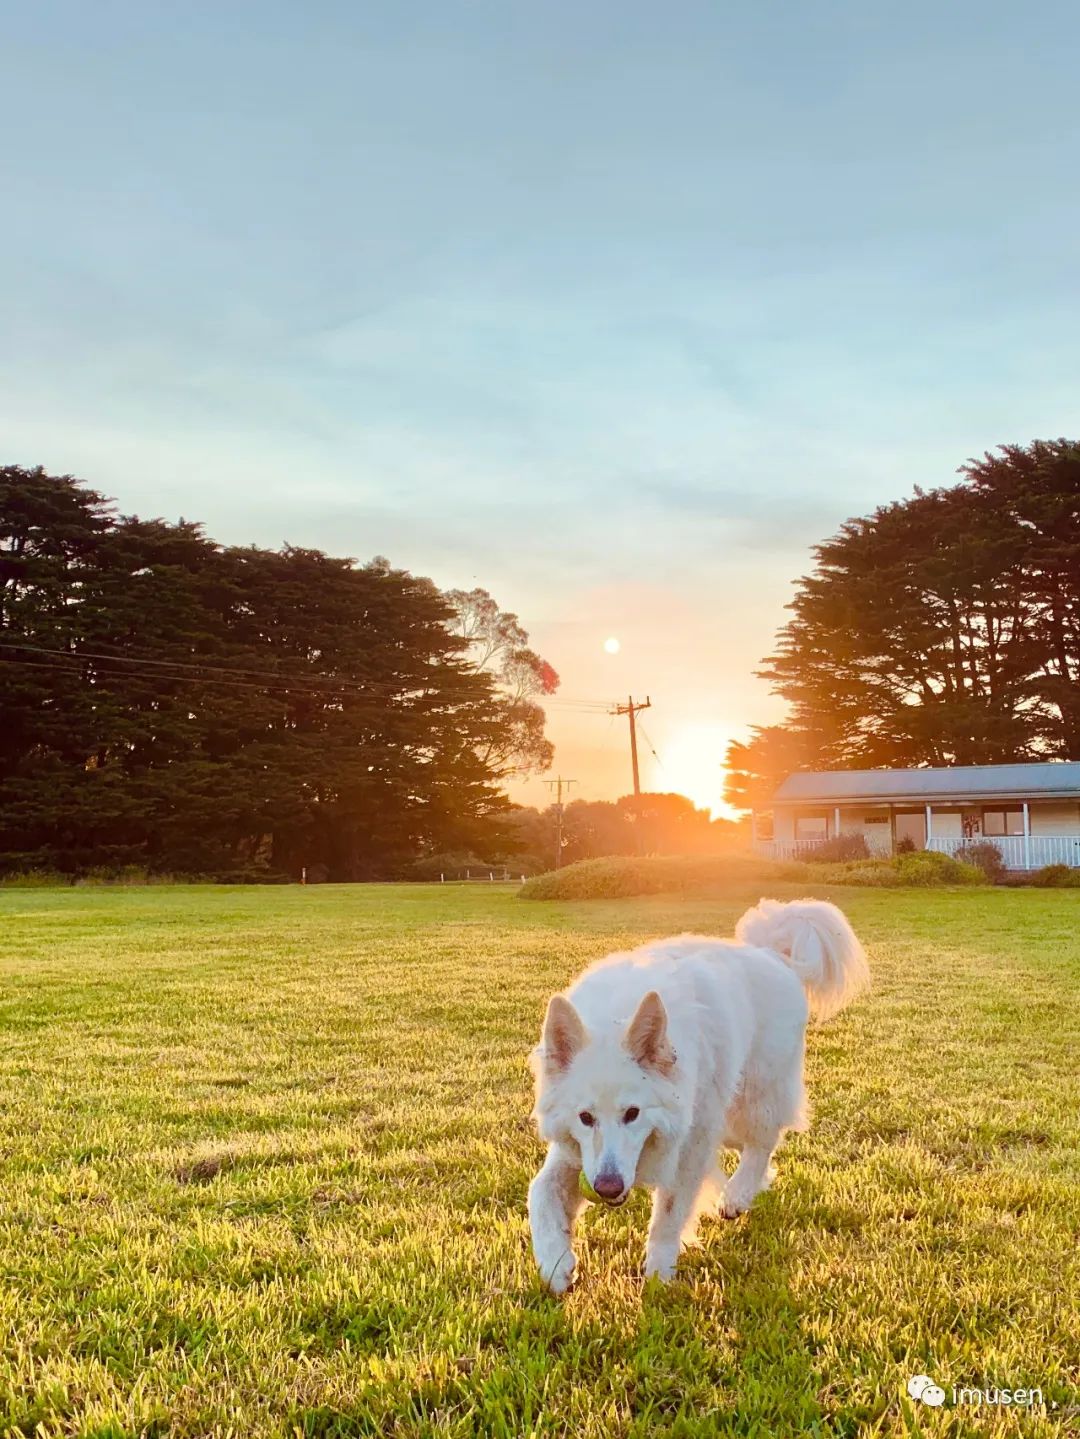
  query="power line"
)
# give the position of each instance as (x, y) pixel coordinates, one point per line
(561, 701)
(648, 741)
(269, 684)
(229, 671)
(73, 664)
(206, 672)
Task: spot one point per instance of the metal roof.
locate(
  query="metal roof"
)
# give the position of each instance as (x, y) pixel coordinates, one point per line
(1055, 780)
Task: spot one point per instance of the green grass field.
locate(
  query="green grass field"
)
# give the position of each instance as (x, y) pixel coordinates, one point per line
(265, 1153)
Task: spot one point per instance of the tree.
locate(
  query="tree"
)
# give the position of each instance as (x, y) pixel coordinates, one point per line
(499, 646)
(1035, 495)
(634, 824)
(184, 706)
(757, 767)
(943, 629)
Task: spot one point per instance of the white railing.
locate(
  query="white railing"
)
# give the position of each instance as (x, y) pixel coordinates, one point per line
(800, 849)
(1020, 852)
(1017, 852)
(775, 849)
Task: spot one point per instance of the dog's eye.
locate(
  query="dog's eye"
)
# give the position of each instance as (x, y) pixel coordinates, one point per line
(631, 1114)
(586, 1119)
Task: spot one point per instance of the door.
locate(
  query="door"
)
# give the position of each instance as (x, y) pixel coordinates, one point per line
(911, 825)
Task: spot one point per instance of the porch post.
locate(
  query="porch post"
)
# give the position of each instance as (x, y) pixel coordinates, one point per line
(1027, 836)
(836, 822)
(928, 826)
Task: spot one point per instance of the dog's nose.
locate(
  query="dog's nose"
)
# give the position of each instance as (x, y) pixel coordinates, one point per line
(609, 1186)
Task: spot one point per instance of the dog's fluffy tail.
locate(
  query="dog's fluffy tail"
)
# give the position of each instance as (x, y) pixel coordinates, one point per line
(815, 939)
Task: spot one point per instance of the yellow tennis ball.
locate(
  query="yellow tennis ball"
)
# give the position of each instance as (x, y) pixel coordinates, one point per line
(586, 1189)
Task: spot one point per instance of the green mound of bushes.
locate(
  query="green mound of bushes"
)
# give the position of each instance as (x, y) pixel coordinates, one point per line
(620, 877)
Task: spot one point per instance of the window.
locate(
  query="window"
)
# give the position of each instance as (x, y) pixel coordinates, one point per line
(1003, 821)
(811, 826)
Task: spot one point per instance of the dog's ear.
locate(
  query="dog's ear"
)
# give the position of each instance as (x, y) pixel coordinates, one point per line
(564, 1034)
(647, 1036)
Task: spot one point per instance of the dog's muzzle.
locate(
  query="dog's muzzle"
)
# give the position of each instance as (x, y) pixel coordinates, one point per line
(611, 1189)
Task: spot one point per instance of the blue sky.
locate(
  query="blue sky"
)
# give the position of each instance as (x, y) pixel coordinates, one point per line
(612, 308)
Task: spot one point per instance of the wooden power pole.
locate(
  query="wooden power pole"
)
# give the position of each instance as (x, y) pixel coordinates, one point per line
(631, 709)
(557, 786)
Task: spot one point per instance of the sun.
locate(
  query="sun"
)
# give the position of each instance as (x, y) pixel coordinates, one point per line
(612, 645)
(693, 760)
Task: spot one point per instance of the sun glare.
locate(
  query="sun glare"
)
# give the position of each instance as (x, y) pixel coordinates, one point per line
(612, 646)
(693, 765)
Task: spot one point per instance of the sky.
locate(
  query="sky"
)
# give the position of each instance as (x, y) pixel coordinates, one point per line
(612, 309)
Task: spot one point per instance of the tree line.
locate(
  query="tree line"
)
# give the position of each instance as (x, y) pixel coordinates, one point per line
(632, 825)
(182, 706)
(943, 629)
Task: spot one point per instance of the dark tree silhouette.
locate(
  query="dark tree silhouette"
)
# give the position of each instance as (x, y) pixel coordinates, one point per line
(175, 704)
(943, 629)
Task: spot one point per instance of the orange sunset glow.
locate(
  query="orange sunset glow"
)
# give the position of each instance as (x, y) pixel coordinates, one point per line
(679, 646)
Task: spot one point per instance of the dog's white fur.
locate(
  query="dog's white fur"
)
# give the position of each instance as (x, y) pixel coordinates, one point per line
(704, 1039)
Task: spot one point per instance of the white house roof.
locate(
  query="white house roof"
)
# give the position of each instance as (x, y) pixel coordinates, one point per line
(1055, 780)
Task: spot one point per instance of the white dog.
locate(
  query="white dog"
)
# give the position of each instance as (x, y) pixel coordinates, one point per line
(653, 1060)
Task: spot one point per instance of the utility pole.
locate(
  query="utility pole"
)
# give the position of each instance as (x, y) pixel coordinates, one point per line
(631, 709)
(557, 786)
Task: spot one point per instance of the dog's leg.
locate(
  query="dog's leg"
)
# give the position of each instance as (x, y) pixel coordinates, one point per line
(554, 1201)
(674, 1208)
(752, 1174)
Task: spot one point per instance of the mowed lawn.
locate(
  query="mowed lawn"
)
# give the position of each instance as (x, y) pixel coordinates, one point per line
(265, 1155)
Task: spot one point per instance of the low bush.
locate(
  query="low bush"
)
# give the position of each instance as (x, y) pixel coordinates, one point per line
(619, 878)
(1056, 876)
(103, 877)
(462, 864)
(451, 865)
(35, 879)
(922, 869)
(984, 855)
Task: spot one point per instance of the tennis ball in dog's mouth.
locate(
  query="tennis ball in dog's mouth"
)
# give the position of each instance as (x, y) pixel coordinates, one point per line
(586, 1189)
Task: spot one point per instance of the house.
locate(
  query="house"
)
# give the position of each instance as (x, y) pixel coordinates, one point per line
(1030, 811)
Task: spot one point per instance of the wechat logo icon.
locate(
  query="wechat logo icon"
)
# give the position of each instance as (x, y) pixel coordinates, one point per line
(923, 1390)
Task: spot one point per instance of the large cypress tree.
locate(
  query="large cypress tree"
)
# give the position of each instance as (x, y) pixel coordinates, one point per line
(943, 629)
(187, 707)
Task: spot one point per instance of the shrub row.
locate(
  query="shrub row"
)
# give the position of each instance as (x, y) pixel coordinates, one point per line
(620, 877)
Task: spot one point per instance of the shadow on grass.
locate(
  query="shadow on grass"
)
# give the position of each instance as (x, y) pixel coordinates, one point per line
(738, 1324)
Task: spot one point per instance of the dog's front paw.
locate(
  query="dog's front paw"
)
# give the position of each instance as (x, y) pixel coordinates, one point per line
(736, 1201)
(739, 1197)
(660, 1263)
(558, 1274)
